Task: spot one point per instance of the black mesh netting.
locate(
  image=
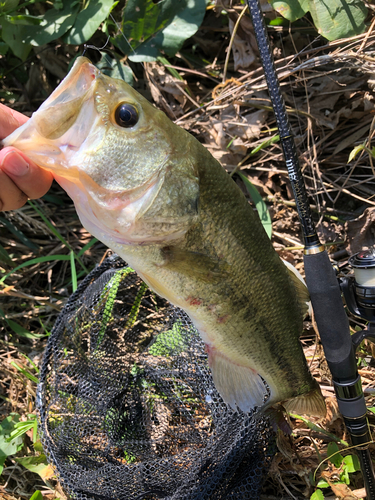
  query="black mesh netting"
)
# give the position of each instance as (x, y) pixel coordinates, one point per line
(127, 406)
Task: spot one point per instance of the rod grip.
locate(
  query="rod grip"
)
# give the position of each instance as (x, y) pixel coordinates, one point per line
(330, 316)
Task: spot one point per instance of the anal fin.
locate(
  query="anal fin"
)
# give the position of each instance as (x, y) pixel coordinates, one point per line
(239, 386)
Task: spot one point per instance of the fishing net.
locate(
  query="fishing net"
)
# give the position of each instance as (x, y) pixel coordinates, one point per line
(127, 405)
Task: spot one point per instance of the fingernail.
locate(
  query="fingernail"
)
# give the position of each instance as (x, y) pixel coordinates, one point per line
(15, 164)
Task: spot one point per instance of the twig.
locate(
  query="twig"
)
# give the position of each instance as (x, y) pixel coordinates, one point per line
(231, 42)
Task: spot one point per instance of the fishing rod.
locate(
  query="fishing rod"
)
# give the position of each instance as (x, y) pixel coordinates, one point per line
(322, 283)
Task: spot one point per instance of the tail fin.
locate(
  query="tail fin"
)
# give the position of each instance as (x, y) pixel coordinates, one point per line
(311, 403)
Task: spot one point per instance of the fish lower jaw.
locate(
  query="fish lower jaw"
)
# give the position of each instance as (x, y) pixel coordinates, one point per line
(93, 222)
(48, 156)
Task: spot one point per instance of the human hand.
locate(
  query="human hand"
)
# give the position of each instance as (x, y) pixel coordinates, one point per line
(20, 178)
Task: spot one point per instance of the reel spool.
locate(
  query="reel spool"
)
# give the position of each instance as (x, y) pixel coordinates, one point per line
(359, 291)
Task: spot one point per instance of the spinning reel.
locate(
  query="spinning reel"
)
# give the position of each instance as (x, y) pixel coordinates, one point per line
(359, 293)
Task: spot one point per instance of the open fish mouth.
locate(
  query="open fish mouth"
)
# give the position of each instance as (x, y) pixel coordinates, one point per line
(103, 143)
(62, 123)
(59, 112)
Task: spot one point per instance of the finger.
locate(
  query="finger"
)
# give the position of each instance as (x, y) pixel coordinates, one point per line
(33, 181)
(10, 120)
(11, 197)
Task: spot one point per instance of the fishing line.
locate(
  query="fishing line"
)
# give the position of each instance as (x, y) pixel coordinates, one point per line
(122, 33)
(309, 136)
(118, 26)
(152, 79)
(125, 38)
(87, 46)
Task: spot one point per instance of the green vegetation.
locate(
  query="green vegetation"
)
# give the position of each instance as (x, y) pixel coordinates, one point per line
(334, 19)
(16, 444)
(171, 340)
(156, 27)
(344, 465)
(144, 29)
(151, 26)
(260, 205)
(107, 297)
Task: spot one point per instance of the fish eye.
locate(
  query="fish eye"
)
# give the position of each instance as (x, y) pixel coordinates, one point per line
(126, 115)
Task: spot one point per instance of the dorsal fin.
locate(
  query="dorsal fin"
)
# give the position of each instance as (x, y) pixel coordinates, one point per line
(301, 288)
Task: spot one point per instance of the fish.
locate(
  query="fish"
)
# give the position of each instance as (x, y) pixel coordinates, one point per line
(153, 194)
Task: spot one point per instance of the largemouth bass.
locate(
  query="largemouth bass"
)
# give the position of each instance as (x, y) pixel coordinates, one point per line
(155, 195)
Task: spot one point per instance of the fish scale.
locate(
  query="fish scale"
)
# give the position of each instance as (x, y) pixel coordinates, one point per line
(151, 192)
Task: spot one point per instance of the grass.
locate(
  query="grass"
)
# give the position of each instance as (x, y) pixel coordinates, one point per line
(44, 253)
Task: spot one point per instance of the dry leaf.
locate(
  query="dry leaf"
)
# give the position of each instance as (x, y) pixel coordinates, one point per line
(360, 232)
(341, 490)
(54, 63)
(284, 445)
(337, 96)
(161, 82)
(243, 49)
(329, 232)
